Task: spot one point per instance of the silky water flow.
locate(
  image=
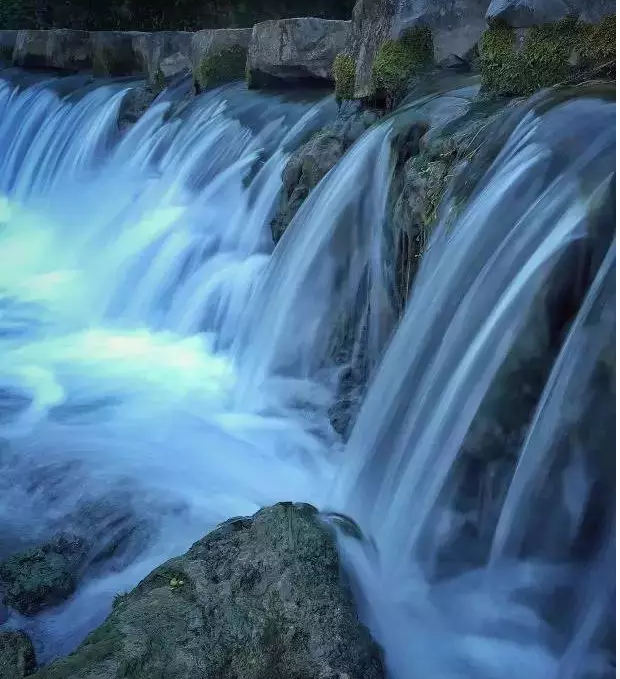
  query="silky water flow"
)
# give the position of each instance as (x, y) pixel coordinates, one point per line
(164, 368)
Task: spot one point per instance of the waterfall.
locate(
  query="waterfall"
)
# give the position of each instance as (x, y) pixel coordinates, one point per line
(164, 367)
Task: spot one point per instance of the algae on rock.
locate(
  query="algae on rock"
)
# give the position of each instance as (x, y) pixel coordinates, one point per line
(521, 61)
(344, 76)
(397, 61)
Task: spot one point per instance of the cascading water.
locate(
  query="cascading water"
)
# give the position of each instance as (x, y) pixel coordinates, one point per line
(161, 370)
(482, 281)
(125, 263)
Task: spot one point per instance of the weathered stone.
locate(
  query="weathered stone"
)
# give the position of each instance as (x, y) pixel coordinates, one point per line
(7, 45)
(404, 35)
(314, 159)
(164, 55)
(43, 576)
(219, 56)
(16, 655)
(519, 61)
(61, 49)
(117, 53)
(295, 51)
(259, 598)
(526, 13)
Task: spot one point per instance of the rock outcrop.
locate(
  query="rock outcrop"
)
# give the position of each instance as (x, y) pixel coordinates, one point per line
(391, 40)
(43, 576)
(16, 655)
(258, 598)
(219, 56)
(295, 52)
(314, 159)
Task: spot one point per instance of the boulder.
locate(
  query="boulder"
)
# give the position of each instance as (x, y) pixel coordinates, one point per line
(295, 52)
(314, 159)
(16, 655)
(118, 53)
(43, 576)
(526, 13)
(164, 55)
(62, 49)
(258, 598)
(219, 56)
(7, 45)
(391, 40)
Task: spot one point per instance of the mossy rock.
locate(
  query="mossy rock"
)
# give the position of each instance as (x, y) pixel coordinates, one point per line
(344, 76)
(225, 66)
(397, 61)
(519, 62)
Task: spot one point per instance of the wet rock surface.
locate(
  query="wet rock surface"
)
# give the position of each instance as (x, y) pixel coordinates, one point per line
(314, 159)
(43, 576)
(258, 598)
(17, 658)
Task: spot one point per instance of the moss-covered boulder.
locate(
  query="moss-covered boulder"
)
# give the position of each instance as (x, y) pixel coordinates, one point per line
(295, 52)
(219, 56)
(384, 32)
(16, 655)
(258, 598)
(43, 576)
(521, 60)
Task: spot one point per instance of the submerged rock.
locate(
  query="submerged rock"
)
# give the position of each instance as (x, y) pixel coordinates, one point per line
(43, 576)
(294, 52)
(258, 598)
(16, 655)
(314, 159)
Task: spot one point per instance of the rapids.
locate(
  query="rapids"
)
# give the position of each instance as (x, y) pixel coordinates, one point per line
(163, 367)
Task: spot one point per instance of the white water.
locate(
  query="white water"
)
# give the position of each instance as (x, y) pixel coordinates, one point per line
(153, 349)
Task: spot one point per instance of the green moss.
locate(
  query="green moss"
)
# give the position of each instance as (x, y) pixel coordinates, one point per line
(597, 45)
(542, 56)
(397, 61)
(344, 76)
(226, 66)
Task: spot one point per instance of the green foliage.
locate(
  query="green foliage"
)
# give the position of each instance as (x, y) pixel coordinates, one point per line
(220, 68)
(543, 55)
(344, 76)
(397, 61)
(153, 15)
